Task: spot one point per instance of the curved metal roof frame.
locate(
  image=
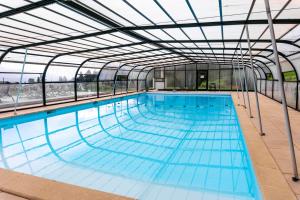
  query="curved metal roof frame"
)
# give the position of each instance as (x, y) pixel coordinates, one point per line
(159, 46)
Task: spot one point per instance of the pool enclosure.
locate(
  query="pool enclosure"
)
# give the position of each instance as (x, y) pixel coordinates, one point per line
(57, 51)
(73, 50)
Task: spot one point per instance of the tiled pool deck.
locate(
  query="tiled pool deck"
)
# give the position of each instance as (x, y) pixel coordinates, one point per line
(269, 154)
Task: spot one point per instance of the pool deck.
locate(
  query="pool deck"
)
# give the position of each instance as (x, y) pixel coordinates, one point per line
(269, 155)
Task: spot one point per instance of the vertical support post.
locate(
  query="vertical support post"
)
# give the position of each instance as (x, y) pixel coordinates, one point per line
(219, 78)
(174, 77)
(137, 84)
(254, 83)
(297, 95)
(127, 84)
(272, 95)
(284, 104)
(231, 76)
(266, 83)
(20, 83)
(236, 85)
(185, 77)
(246, 82)
(241, 83)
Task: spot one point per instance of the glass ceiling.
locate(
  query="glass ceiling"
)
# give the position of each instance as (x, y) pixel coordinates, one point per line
(145, 34)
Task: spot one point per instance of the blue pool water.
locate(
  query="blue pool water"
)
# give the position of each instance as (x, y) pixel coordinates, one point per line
(146, 146)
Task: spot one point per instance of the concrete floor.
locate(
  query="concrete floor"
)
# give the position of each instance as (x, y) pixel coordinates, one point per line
(7, 196)
(269, 154)
(275, 139)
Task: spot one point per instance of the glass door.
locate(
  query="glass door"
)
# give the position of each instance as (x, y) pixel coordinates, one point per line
(202, 80)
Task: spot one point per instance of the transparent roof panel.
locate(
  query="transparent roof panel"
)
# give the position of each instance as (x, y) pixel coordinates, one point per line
(212, 32)
(178, 10)
(280, 30)
(235, 9)
(293, 34)
(206, 11)
(232, 32)
(259, 10)
(291, 11)
(59, 20)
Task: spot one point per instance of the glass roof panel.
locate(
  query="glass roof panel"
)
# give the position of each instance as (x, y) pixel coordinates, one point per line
(291, 11)
(293, 34)
(259, 9)
(178, 10)
(124, 10)
(97, 7)
(59, 21)
(232, 32)
(235, 9)
(212, 32)
(160, 34)
(176, 33)
(255, 31)
(287, 49)
(150, 10)
(280, 30)
(194, 33)
(206, 11)
(16, 4)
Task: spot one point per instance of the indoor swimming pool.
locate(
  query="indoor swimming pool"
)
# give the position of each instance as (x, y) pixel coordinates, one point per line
(144, 146)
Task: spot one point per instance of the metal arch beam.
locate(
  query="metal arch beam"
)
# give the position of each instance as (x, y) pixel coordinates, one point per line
(106, 64)
(165, 41)
(132, 44)
(229, 40)
(286, 58)
(55, 41)
(129, 74)
(187, 53)
(69, 53)
(144, 51)
(139, 43)
(28, 7)
(98, 76)
(115, 77)
(161, 54)
(44, 79)
(289, 61)
(146, 86)
(197, 20)
(171, 64)
(108, 22)
(163, 66)
(194, 53)
(175, 57)
(75, 77)
(137, 79)
(168, 65)
(221, 59)
(259, 61)
(87, 60)
(103, 48)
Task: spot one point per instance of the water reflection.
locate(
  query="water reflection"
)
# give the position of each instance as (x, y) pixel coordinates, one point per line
(147, 147)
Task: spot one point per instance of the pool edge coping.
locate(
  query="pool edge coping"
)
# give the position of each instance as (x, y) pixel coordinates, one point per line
(270, 179)
(48, 108)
